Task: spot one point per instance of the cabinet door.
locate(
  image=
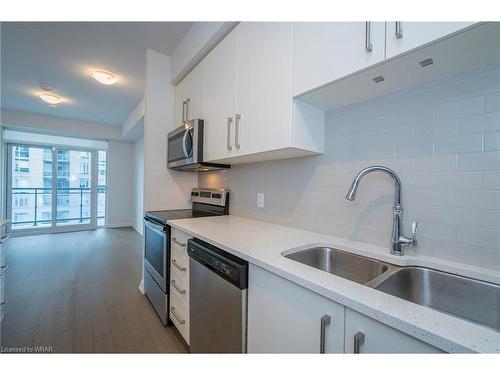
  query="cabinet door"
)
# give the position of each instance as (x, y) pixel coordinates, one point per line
(190, 88)
(286, 318)
(264, 66)
(220, 99)
(326, 51)
(181, 93)
(196, 105)
(379, 338)
(405, 36)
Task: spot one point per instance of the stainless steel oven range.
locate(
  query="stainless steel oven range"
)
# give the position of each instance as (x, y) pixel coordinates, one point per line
(206, 202)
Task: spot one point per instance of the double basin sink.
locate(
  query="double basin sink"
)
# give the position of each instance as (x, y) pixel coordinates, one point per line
(459, 296)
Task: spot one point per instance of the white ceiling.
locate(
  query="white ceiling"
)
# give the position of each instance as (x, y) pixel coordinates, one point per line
(63, 54)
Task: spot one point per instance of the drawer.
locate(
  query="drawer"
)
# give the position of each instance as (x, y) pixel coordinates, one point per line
(181, 287)
(179, 240)
(180, 262)
(179, 314)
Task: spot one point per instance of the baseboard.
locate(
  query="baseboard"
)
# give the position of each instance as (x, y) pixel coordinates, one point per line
(118, 225)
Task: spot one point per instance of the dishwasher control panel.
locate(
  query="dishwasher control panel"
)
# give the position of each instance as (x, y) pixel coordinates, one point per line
(226, 265)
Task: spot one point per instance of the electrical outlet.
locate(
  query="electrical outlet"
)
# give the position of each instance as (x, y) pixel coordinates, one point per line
(260, 200)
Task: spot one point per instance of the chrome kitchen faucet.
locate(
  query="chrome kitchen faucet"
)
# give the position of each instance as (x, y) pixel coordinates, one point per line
(398, 240)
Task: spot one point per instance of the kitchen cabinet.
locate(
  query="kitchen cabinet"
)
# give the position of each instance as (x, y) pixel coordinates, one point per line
(248, 108)
(404, 36)
(327, 51)
(286, 318)
(220, 98)
(179, 283)
(365, 335)
(189, 99)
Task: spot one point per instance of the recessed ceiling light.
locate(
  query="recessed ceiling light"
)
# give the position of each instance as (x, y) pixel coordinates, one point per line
(50, 98)
(104, 77)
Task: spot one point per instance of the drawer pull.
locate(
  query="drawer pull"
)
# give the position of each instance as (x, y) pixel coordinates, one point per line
(182, 269)
(178, 243)
(177, 317)
(3, 306)
(174, 284)
(325, 321)
(3, 269)
(359, 339)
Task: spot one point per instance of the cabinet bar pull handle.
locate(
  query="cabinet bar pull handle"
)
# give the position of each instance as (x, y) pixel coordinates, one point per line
(174, 284)
(177, 317)
(178, 243)
(359, 339)
(399, 30)
(187, 110)
(325, 321)
(368, 37)
(237, 132)
(184, 112)
(3, 269)
(228, 134)
(182, 269)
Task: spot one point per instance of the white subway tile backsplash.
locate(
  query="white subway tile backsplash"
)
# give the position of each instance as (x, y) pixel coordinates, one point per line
(479, 161)
(487, 122)
(442, 138)
(460, 108)
(460, 144)
(459, 180)
(484, 199)
(491, 180)
(492, 141)
(441, 163)
(482, 85)
(493, 102)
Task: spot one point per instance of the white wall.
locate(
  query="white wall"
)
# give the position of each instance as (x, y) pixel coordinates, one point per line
(442, 138)
(59, 126)
(138, 185)
(120, 200)
(163, 188)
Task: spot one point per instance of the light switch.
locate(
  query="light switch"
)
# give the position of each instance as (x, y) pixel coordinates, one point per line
(260, 200)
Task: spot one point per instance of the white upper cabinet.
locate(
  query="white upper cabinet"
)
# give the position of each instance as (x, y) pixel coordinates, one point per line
(189, 102)
(326, 51)
(264, 96)
(220, 98)
(405, 36)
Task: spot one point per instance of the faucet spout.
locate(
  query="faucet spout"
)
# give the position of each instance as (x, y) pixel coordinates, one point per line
(398, 240)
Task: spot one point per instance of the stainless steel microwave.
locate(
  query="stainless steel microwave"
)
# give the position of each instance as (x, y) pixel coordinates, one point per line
(185, 148)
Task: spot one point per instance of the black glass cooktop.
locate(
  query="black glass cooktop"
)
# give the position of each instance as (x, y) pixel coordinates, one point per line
(164, 216)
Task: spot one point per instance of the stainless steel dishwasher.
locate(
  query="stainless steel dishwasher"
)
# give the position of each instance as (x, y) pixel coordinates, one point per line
(218, 284)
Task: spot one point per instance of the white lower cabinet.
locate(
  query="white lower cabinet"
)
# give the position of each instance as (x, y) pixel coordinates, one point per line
(286, 318)
(179, 282)
(375, 337)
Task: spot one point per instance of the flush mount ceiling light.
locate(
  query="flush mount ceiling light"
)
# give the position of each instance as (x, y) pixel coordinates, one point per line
(52, 99)
(104, 77)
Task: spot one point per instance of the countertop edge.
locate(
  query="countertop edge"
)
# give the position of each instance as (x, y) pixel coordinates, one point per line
(405, 326)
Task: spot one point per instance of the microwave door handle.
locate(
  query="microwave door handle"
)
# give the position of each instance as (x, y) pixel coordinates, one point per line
(184, 139)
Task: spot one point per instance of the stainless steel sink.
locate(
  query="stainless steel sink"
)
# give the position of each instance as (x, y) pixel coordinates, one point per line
(460, 296)
(349, 266)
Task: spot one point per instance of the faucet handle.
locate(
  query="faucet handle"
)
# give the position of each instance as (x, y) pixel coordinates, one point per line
(414, 228)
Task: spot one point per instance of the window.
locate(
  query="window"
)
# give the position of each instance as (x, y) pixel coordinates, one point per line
(84, 183)
(22, 166)
(84, 168)
(20, 182)
(20, 200)
(20, 217)
(21, 152)
(63, 183)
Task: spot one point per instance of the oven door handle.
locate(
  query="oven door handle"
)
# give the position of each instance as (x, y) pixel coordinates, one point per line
(149, 223)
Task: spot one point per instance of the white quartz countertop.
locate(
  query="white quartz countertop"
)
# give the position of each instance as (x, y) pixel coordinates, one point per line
(262, 243)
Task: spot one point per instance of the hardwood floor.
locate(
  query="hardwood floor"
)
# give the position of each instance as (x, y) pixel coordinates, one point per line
(78, 293)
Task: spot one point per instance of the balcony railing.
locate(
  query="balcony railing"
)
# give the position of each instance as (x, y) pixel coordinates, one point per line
(77, 201)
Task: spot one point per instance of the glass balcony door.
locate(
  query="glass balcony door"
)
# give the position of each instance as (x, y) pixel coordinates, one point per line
(54, 189)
